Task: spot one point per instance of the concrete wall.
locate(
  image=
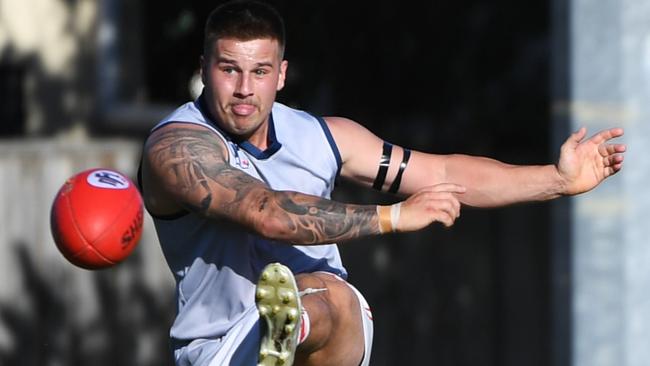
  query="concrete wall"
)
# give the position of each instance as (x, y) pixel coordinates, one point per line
(52, 312)
(603, 80)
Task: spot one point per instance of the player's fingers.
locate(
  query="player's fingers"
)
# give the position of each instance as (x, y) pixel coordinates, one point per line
(445, 206)
(573, 140)
(448, 187)
(608, 149)
(445, 219)
(455, 203)
(577, 136)
(434, 199)
(613, 169)
(605, 135)
(616, 148)
(449, 206)
(612, 160)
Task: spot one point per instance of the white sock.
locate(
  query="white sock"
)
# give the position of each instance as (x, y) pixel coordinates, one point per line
(305, 326)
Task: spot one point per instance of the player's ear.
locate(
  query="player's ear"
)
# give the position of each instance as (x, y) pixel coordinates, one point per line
(283, 74)
(202, 63)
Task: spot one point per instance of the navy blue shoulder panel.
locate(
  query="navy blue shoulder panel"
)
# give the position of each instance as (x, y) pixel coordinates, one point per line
(330, 139)
(170, 217)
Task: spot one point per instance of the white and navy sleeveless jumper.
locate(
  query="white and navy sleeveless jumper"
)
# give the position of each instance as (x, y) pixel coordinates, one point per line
(216, 263)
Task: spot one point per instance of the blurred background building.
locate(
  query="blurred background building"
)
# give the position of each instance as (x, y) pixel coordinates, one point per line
(562, 283)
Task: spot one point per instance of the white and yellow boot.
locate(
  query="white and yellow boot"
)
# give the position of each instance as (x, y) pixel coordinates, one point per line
(278, 303)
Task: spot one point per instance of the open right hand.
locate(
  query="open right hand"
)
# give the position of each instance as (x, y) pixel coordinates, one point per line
(431, 204)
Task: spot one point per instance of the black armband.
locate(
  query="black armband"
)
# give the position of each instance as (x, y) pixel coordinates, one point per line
(398, 179)
(384, 162)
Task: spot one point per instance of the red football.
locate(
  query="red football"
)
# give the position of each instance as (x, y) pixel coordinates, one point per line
(96, 218)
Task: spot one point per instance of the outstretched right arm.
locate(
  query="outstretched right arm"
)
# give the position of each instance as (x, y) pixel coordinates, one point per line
(186, 167)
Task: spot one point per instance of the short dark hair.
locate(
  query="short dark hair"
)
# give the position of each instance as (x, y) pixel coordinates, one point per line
(243, 20)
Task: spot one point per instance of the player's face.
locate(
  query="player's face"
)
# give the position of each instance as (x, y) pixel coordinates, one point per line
(241, 80)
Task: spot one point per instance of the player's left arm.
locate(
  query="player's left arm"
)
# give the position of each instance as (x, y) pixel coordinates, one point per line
(583, 164)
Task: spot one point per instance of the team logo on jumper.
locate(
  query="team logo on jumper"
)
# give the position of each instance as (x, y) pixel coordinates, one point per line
(107, 179)
(244, 163)
(241, 161)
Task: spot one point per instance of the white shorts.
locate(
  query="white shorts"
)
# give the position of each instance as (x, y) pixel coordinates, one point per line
(366, 320)
(240, 347)
(368, 328)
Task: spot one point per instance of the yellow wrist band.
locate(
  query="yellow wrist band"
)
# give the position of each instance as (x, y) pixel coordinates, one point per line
(385, 224)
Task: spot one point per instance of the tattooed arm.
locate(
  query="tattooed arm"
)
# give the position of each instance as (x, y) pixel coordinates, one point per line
(186, 166)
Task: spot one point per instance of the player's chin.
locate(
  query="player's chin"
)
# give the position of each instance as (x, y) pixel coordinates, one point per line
(243, 125)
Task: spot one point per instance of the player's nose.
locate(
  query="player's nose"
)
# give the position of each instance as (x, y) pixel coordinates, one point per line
(244, 86)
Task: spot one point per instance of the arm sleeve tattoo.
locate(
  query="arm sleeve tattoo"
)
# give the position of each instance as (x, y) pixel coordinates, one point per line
(193, 166)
